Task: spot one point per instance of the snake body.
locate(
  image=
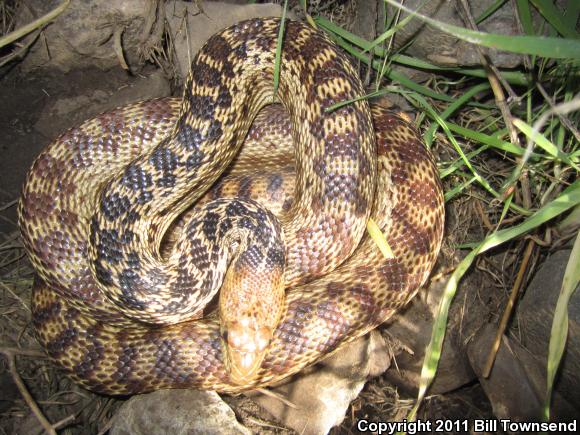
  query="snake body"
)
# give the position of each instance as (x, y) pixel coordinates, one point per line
(133, 167)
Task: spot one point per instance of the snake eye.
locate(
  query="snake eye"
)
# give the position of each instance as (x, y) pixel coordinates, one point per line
(224, 335)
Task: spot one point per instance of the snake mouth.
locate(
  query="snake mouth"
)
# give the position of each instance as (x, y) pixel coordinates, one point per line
(244, 366)
(245, 351)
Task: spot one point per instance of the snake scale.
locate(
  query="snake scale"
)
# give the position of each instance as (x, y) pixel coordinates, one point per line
(106, 210)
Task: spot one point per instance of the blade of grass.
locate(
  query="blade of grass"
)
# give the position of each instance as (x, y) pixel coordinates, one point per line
(379, 239)
(572, 13)
(559, 331)
(492, 141)
(569, 198)
(544, 143)
(279, 44)
(562, 108)
(418, 100)
(553, 16)
(525, 15)
(456, 190)
(388, 33)
(459, 102)
(26, 29)
(460, 163)
(513, 77)
(490, 11)
(554, 48)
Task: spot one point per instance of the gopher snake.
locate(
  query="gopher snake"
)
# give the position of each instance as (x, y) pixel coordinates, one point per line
(140, 166)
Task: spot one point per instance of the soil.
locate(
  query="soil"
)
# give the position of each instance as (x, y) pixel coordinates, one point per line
(22, 102)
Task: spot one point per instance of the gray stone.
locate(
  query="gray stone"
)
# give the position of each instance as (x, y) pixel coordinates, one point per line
(323, 392)
(83, 34)
(535, 315)
(191, 27)
(508, 388)
(413, 326)
(176, 412)
(516, 386)
(444, 49)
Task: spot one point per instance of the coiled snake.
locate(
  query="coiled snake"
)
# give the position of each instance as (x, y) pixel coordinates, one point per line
(123, 272)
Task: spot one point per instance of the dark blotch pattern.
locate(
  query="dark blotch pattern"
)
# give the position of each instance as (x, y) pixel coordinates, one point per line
(110, 245)
(165, 160)
(205, 75)
(245, 187)
(114, 206)
(136, 178)
(274, 184)
(251, 257)
(275, 257)
(210, 224)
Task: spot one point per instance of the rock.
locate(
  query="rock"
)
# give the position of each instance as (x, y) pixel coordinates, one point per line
(176, 412)
(535, 314)
(322, 393)
(412, 327)
(84, 34)
(517, 383)
(66, 112)
(443, 49)
(190, 27)
(508, 388)
(516, 386)
(571, 223)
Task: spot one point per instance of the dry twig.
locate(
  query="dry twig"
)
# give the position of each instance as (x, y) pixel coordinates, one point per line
(10, 354)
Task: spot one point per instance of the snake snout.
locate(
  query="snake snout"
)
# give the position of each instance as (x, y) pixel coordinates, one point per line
(246, 345)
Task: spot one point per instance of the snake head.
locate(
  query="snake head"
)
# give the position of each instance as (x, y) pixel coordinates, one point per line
(245, 344)
(251, 302)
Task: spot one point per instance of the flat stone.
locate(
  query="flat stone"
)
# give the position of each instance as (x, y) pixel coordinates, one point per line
(191, 27)
(176, 412)
(322, 393)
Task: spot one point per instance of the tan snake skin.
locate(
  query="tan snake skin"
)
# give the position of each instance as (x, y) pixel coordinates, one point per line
(103, 347)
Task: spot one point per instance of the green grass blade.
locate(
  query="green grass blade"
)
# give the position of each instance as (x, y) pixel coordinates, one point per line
(410, 84)
(389, 33)
(459, 102)
(492, 141)
(279, 44)
(572, 13)
(550, 47)
(560, 323)
(523, 7)
(544, 143)
(567, 199)
(513, 77)
(329, 26)
(505, 209)
(490, 11)
(450, 194)
(553, 16)
(460, 163)
(481, 180)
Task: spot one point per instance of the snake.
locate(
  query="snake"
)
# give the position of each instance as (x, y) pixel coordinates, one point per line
(121, 217)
